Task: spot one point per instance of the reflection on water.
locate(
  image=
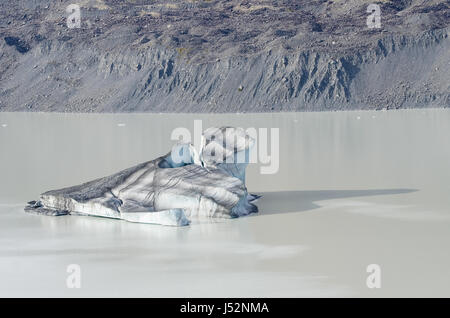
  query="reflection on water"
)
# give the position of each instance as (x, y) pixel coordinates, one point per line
(297, 201)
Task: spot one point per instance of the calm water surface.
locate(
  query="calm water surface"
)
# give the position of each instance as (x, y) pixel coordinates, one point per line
(352, 189)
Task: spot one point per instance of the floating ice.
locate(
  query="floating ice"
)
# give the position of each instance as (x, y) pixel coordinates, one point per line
(169, 190)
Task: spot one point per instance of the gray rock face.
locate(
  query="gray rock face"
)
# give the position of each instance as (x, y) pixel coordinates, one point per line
(223, 56)
(167, 190)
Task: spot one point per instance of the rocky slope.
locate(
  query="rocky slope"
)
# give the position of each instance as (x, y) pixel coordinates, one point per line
(223, 56)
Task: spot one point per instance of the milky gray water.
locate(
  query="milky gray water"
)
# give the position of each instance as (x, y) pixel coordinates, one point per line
(352, 189)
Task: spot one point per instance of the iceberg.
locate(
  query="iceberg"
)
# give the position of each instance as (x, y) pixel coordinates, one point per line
(171, 190)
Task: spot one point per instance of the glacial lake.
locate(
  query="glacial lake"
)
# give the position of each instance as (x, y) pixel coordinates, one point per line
(352, 189)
